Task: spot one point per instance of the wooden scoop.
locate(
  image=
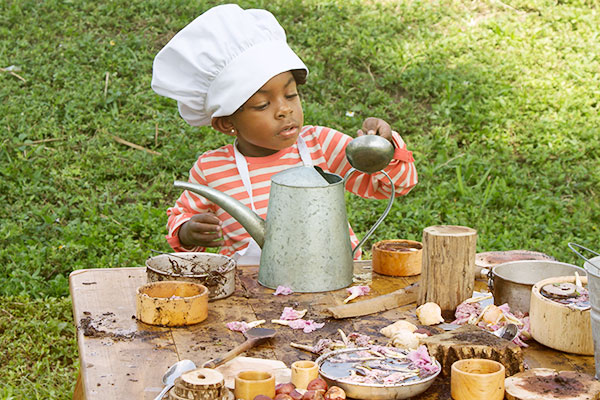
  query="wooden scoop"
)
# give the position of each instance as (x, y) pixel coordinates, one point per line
(253, 337)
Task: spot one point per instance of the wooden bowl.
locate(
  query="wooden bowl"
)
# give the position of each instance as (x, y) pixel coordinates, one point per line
(557, 326)
(249, 384)
(397, 257)
(477, 379)
(172, 303)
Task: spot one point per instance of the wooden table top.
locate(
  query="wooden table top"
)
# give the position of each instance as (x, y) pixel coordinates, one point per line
(125, 359)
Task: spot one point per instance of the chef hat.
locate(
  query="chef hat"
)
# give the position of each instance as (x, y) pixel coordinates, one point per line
(218, 61)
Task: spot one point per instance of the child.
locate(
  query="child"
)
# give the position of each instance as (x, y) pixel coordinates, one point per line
(232, 69)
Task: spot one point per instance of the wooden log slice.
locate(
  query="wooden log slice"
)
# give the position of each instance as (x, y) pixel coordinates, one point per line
(202, 378)
(448, 275)
(469, 341)
(549, 384)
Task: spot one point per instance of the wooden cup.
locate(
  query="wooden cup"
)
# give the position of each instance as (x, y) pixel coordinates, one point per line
(303, 372)
(397, 257)
(477, 379)
(249, 384)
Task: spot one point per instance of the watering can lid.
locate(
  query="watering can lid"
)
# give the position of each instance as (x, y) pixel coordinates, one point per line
(301, 176)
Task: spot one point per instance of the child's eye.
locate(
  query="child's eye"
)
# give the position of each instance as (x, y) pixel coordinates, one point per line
(261, 106)
(292, 95)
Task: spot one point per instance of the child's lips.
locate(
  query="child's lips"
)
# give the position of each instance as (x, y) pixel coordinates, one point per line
(289, 132)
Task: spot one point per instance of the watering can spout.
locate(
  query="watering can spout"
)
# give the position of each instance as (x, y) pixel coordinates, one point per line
(253, 223)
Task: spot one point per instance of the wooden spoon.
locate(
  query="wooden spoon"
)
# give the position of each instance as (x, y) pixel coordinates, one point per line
(253, 337)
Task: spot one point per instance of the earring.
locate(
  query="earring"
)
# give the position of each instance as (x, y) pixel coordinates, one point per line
(233, 131)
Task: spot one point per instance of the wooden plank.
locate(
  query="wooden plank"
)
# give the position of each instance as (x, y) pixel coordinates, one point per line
(114, 363)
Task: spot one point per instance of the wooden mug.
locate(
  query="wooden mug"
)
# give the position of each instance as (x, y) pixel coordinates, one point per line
(249, 384)
(303, 372)
(477, 379)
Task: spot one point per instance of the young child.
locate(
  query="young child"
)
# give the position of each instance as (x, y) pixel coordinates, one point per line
(232, 69)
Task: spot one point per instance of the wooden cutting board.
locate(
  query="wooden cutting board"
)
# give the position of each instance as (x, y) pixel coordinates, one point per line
(549, 384)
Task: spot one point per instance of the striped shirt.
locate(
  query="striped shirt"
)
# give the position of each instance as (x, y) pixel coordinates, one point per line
(217, 169)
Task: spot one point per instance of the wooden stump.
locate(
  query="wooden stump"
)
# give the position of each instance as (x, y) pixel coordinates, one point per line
(447, 276)
(469, 341)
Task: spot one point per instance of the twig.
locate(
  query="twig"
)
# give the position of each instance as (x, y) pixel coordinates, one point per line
(133, 145)
(40, 141)
(12, 73)
(106, 84)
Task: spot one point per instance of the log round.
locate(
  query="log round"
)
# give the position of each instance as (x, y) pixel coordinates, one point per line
(448, 274)
(557, 326)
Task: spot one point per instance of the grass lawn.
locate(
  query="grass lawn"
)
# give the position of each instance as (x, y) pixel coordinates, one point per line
(500, 102)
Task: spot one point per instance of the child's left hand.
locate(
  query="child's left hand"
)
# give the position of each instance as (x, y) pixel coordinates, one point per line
(376, 126)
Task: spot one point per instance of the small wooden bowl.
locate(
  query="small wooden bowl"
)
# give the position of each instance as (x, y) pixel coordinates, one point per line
(303, 372)
(397, 257)
(172, 303)
(249, 384)
(557, 326)
(477, 379)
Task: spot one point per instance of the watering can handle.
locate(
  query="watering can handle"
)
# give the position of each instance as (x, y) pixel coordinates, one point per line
(385, 213)
(571, 245)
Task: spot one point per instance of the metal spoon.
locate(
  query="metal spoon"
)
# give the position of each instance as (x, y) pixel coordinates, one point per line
(369, 153)
(174, 372)
(508, 332)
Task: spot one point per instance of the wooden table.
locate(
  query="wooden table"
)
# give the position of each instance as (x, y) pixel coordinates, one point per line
(125, 359)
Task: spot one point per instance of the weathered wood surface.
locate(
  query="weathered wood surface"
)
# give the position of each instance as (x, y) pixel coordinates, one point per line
(126, 359)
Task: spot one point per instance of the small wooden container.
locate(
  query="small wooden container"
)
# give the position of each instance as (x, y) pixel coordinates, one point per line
(477, 379)
(397, 257)
(172, 303)
(303, 372)
(249, 384)
(557, 326)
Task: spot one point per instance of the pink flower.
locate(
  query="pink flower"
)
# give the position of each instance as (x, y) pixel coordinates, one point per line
(283, 290)
(290, 314)
(238, 326)
(356, 291)
(307, 326)
(420, 358)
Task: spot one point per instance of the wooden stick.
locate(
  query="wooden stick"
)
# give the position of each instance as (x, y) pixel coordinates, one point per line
(41, 141)
(133, 145)
(13, 74)
(398, 298)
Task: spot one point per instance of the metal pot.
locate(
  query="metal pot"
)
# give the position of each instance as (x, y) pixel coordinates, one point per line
(511, 282)
(215, 271)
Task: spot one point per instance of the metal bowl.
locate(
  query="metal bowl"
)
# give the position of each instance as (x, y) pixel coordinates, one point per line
(377, 391)
(215, 271)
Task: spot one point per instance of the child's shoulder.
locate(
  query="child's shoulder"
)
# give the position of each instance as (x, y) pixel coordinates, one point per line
(223, 154)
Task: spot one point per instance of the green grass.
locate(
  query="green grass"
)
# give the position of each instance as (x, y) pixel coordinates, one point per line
(498, 100)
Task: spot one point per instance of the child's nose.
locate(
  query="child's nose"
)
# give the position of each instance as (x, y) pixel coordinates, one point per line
(284, 109)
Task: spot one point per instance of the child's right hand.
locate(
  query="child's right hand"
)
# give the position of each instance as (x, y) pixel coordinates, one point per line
(201, 230)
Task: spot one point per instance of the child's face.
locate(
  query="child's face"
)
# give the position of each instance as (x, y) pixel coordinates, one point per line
(271, 119)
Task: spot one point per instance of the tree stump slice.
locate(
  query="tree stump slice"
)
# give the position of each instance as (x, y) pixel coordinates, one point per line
(549, 384)
(199, 384)
(448, 273)
(469, 341)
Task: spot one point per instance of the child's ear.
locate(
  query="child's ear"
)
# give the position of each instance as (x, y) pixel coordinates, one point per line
(223, 125)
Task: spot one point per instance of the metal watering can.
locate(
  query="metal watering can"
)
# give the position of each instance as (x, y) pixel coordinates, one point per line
(305, 240)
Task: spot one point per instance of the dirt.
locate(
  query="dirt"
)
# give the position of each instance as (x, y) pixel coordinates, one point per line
(477, 338)
(100, 327)
(399, 247)
(563, 384)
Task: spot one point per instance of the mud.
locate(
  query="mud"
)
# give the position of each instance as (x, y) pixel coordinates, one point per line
(559, 385)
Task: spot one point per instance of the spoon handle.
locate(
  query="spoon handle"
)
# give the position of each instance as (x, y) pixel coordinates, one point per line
(230, 354)
(164, 391)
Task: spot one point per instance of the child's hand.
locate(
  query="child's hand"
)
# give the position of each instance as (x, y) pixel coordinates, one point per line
(201, 230)
(376, 126)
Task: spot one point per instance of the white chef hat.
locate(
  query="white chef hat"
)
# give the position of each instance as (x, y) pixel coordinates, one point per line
(218, 61)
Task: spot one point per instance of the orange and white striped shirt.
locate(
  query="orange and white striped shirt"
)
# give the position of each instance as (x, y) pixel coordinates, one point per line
(217, 169)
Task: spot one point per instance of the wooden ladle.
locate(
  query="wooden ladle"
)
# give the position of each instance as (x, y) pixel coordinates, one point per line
(253, 337)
